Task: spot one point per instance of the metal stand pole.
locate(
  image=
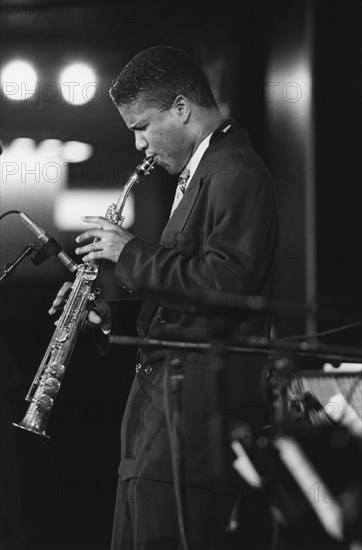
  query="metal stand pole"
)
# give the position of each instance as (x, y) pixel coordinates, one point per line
(9, 267)
(178, 431)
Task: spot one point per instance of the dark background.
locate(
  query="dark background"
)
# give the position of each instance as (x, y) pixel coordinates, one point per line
(59, 494)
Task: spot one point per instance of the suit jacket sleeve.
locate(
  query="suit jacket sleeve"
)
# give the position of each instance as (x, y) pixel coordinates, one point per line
(230, 249)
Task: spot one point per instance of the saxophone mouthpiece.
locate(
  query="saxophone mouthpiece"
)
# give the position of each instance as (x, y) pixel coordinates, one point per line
(146, 166)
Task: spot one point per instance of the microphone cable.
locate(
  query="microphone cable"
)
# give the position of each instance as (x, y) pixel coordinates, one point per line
(9, 212)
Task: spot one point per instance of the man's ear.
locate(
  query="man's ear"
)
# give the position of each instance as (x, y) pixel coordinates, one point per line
(183, 108)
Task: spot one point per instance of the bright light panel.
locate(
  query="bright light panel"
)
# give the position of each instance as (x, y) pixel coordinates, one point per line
(343, 367)
(72, 204)
(78, 83)
(70, 151)
(18, 80)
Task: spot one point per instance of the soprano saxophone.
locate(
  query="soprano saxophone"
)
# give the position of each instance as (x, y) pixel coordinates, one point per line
(47, 381)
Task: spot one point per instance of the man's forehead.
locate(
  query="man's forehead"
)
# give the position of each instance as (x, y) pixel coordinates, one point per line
(134, 112)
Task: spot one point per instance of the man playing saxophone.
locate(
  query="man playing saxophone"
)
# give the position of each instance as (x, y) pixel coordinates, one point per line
(218, 238)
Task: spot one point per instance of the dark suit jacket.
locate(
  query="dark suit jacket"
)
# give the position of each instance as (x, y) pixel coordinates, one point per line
(220, 238)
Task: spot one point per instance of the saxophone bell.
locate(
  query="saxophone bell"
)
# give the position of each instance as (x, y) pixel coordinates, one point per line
(36, 417)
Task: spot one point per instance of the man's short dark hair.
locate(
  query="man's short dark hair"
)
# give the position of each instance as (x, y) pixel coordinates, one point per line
(160, 74)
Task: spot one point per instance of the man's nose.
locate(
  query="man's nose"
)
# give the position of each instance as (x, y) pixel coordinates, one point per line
(141, 143)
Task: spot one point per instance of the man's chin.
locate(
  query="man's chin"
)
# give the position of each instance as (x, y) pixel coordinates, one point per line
(166, 166)
(173, 170)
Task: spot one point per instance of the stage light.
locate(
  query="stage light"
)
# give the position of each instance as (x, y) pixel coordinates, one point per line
(50, 148)
(22, 147)
(289, 89)
(76, 151)
(18, 80)
(78, 83)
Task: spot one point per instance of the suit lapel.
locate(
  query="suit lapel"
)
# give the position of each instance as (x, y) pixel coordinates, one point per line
(219, 143)
(180, 216)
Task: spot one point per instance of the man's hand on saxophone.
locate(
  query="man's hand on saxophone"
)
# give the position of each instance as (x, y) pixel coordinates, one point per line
(61, 298)
(100, 314)
(109, 243)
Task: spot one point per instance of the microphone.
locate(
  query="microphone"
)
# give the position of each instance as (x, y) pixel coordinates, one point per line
(44, 239)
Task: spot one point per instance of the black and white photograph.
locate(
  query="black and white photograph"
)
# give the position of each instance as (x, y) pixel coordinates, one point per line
(180, 275)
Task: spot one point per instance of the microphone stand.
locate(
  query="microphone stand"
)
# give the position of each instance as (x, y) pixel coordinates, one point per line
(176, 377)
(173, 381)
(50, 248)
(9, 267)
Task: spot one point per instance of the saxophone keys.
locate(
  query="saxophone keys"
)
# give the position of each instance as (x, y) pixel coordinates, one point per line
(90, 271)
(51, 386)
(56, 369)
(44, 402)
(92, 295)
(62, 336)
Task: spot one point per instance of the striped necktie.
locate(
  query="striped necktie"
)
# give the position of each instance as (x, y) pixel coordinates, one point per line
(180, 191)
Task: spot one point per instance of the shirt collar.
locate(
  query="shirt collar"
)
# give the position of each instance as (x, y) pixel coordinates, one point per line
(194, 161)
(226, 126)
